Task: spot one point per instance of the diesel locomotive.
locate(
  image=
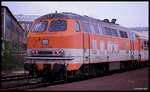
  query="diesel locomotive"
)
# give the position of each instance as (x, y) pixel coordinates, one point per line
(65, 45)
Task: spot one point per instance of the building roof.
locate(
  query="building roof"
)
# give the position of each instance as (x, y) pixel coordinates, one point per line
(12, 16)
(26, 18)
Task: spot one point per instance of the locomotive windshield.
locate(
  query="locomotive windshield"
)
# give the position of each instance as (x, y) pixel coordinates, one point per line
(40, 26)
(58, 25)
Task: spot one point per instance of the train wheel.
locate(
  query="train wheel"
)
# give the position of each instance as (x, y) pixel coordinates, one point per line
(79, 75)
(122, 67)
(135, 66)
(102, 70)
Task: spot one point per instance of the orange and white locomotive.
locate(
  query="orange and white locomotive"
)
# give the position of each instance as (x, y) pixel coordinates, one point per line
(67, 44)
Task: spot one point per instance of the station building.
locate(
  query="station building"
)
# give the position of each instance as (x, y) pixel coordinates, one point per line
(26, 21)
(11, 31)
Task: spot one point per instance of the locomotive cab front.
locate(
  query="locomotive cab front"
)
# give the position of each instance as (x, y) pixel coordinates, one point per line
(52, 44)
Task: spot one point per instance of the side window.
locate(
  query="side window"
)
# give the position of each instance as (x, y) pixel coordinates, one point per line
(108, 31)
(123, 34)
(114, 32)
(77, 27)
(96, 29)
(103, 31)
(85, 27)
(100, 30)
(92, 28)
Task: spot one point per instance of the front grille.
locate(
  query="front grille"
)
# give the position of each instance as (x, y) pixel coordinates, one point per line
(45, 52)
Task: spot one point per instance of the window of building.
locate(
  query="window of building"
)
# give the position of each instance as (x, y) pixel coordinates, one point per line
(23, 26)
(8, 22)
(28, 27)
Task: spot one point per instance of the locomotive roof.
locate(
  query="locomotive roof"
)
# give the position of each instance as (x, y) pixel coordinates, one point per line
(76, 16)
(72, 15)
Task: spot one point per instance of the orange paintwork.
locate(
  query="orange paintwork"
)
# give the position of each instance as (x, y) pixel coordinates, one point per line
(52, 65)
(73, 66)
(74, 40)
(39, 66)
(64, 39)
(145, 59)
(70, 38)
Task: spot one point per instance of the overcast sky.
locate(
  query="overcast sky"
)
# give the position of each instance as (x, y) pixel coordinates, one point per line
(128, 14)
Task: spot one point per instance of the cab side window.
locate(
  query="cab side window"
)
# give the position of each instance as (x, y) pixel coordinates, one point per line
(77, 27)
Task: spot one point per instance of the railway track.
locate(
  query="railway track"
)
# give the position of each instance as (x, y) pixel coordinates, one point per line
(25, 82)
(19, 82)
(15, 77)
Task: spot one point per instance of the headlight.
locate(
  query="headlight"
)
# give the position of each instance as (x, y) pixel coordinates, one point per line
(45, 42)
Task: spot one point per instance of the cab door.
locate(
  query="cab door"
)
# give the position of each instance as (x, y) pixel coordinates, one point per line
(86, 42)
(132, 46)
(86, 47)
(132, 49)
